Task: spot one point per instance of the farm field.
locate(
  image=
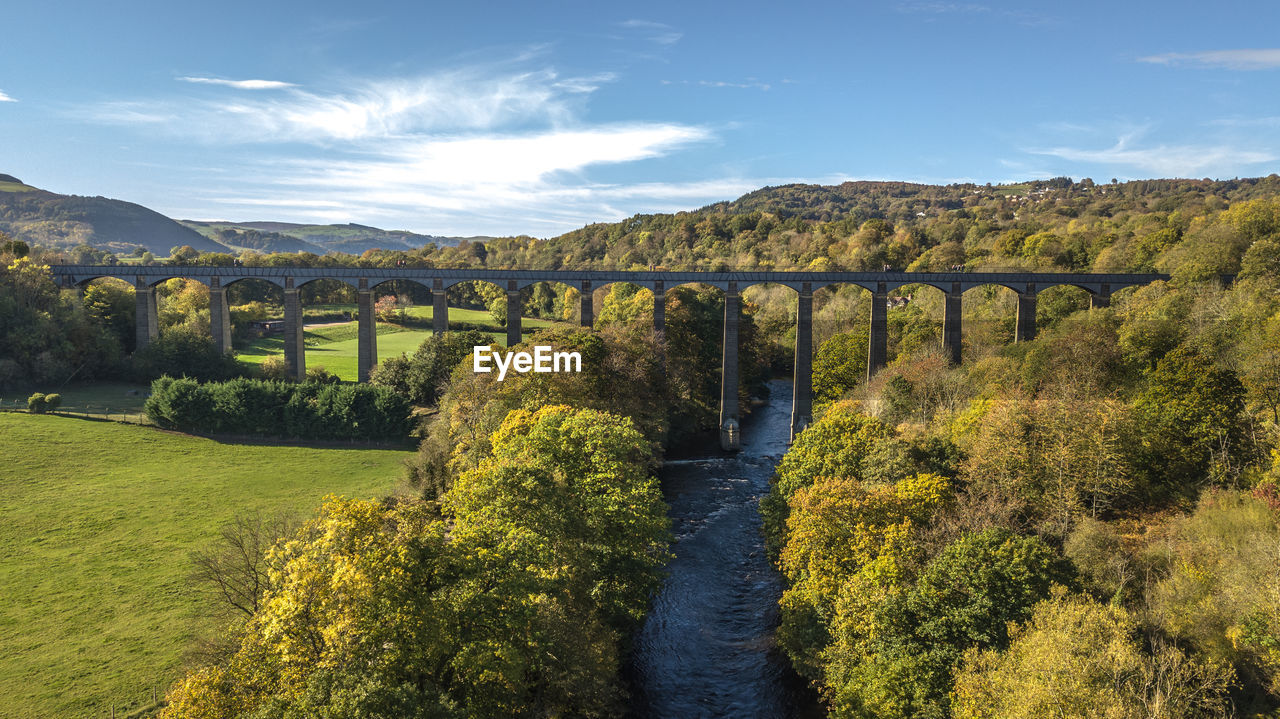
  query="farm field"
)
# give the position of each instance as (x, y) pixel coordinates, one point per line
(335, 346)
(97, 523)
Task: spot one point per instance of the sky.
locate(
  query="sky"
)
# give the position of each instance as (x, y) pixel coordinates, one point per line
(487, 118)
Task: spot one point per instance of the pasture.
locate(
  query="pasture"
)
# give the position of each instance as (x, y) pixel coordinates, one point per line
(97, 523)
(334, 346)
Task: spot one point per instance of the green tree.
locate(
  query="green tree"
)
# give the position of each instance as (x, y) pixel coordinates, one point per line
(112, 305)
(845, 443)
(577, 477)
(839, 365)
(1191, 415)
(839, 528)
(895, 651)
(353, 625)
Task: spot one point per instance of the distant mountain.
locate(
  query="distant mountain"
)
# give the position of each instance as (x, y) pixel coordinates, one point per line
(290, 237)
(47, 218)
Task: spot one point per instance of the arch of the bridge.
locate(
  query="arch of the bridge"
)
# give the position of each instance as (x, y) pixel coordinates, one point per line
(586, 306)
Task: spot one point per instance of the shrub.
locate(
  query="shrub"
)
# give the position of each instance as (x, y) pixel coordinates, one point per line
(35, 403)
(273, 368)
(183, 353)
(321, 375)
(303, 411)
(52, 402)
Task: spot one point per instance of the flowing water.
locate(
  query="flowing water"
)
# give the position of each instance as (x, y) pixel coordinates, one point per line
(707, 647)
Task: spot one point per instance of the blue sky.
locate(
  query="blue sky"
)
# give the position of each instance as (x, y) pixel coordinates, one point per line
(539, 117)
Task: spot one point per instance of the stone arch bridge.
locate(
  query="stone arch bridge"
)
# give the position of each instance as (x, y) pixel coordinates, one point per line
(290, 279)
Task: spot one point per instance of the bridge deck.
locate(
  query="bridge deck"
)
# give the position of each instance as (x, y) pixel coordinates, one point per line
(1031, 282)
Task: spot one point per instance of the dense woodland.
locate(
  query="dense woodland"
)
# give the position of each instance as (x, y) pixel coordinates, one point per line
(1083, 525)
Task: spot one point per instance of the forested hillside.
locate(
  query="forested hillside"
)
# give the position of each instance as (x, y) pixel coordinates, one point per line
(46, 218)
(1047, 224)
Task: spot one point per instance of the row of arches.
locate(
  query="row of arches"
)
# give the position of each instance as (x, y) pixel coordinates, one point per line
(883, 295)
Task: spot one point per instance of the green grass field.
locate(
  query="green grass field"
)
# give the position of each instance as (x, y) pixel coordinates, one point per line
(97, 522)
(98, 398)
(335, 347)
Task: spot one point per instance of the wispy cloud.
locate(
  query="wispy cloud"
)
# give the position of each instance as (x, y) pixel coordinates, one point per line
(5, 98)
(934, 10)
(1261, 59)
(451, 101)
(942, 8)
(128, 112)
(658, 33)
(1270, 121)
(1165, 160)
(749, 84)
(240, 84)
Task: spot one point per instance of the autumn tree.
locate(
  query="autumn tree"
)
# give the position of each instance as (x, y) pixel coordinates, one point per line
(895, 649)
(1077, 659)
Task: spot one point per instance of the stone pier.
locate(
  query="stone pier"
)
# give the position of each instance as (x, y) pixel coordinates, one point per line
(219, 316)
(145, 314)
(295, 354)
(1025, 327)
(439, 308)
(1101, 298)
(586, 310)
(513, 314)
(951, 337)
(659, 309)
(802, 376)
(878, 340)
(730, 430)
(366, 331)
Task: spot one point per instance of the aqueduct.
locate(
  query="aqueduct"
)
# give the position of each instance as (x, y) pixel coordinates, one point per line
(365, 280)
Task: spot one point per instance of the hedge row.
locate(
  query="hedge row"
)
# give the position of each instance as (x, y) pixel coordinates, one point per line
(280, 409)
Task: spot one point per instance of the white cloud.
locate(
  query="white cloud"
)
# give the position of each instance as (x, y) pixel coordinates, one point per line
(448, 101)
(479, 150)
(1165, 160)
(499, 160)
(240, 84)
(1260, 59)
(5, 98)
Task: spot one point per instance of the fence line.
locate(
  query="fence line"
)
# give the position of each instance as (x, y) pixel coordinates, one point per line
(88, 411)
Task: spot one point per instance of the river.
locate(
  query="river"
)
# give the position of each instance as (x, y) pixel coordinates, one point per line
(707, 647)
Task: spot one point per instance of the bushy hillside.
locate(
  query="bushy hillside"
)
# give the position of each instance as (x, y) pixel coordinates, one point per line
(1055, 224)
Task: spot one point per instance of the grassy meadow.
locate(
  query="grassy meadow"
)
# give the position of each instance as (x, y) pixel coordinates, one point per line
(108, 399)
(97, 522)
(334, 346)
